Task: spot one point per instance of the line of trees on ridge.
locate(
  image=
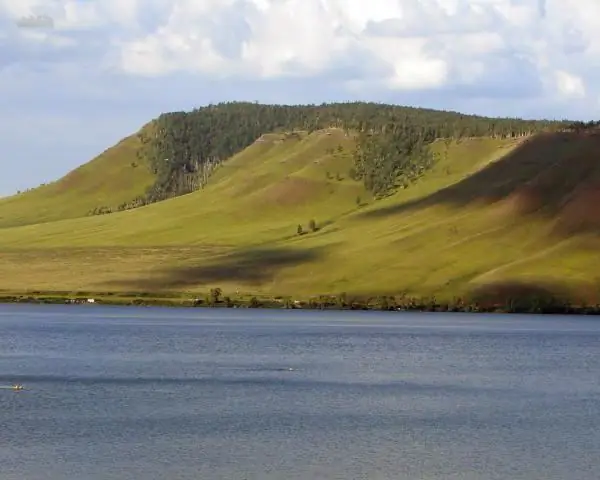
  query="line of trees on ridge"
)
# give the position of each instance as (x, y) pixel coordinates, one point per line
(184, 148)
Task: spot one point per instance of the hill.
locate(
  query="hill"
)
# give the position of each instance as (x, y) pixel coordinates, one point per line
(475, 216)
(184, 148)
(114, 177)
(177, 153)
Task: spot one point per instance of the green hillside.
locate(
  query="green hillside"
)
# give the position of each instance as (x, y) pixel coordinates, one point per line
(261, 194)
(177, 153)
(479, 215)
(114, 177)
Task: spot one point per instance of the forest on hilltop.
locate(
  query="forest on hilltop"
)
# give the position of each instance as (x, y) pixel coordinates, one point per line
(183, 148)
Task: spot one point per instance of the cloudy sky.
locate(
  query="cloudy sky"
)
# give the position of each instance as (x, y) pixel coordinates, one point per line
(100, 69)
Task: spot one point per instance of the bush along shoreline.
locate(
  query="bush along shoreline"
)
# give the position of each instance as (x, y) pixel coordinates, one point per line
(216, 299)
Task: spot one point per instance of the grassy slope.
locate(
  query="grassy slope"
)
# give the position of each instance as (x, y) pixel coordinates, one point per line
(261, 194)
(108, 180)
(490, 211)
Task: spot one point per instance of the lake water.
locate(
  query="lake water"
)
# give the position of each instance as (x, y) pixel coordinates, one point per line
(151, 393)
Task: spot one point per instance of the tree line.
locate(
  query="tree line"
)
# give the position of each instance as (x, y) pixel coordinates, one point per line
(184, 148)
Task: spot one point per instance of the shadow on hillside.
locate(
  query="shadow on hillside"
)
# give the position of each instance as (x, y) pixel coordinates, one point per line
(521, 295)
(251, 267)
(554, 174)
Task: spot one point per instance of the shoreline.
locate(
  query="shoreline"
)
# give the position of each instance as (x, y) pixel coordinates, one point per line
(323, 302)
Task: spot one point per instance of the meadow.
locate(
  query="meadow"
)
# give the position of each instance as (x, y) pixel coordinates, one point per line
(492, 215)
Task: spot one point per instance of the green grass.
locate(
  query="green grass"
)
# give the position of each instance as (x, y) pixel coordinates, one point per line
(108, 180)
(465, 224)
(262, 194)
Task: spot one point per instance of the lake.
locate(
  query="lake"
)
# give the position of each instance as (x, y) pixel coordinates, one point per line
(157, 393)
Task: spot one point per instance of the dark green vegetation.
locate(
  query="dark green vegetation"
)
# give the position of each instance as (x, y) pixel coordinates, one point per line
(184, 148)
(398, 207)
(500, 299)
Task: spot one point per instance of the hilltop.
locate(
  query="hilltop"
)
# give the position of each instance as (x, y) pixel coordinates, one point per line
(417, 202)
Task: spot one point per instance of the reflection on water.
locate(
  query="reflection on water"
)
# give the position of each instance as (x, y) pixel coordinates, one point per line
(131, 393)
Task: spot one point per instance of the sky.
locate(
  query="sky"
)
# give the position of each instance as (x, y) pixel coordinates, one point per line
(78, 75)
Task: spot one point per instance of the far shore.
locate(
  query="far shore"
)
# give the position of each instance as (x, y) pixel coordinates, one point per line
(216, 299)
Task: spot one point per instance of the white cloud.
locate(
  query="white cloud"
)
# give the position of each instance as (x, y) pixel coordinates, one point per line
(504, 57)
(419, 44)
(570, 86)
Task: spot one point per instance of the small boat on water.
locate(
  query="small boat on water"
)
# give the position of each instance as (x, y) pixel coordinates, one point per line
(17, 387)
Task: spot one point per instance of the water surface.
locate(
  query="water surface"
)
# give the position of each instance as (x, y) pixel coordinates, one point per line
(153, 393)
